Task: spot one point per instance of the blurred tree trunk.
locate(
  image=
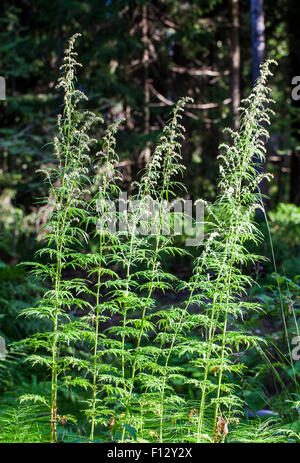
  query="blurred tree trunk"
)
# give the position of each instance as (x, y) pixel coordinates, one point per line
(60, 51)
(145, 155)
(235, 60)
(258, 55)
(258, 36)
(59, 36)
(294, 55)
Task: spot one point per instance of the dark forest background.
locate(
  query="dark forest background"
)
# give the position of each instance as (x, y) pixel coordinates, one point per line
(138, 58)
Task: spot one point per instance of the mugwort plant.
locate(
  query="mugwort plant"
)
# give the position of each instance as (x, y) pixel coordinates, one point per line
(106, 265)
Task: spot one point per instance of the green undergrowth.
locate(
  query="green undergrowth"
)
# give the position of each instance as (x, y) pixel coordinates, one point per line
(111, 344)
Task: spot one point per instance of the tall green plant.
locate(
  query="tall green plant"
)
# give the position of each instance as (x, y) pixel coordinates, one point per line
(100, 217)
(219, 282)
(143, 244)
(66, 209)
(134, 344)
(233, 225)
